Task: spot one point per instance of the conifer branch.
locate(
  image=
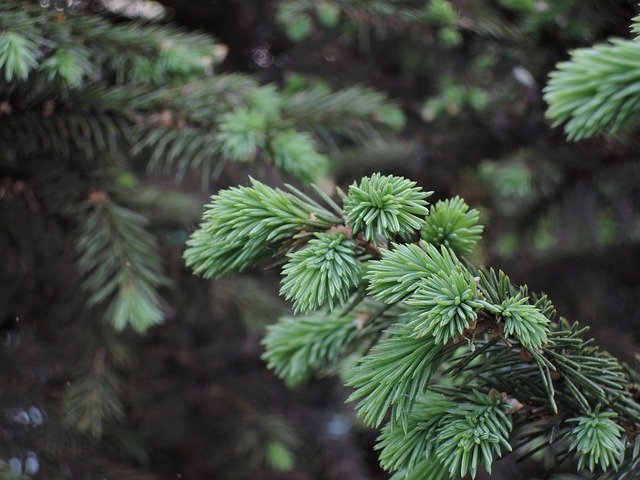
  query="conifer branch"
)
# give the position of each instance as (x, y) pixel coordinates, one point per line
(457, 363)
(120, 264)
(298, 347)
(597, 91)
(635, 26)
(92, 399)
(441, 18)
(151, 89)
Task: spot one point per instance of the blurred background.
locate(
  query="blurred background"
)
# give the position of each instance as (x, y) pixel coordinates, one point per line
(118, 119)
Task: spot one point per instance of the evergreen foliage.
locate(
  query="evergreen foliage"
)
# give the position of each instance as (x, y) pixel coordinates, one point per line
(247, 223)
(298, 347)
(635, 26)
(597, 90)
(457, 364)
(442, 20)
(89, 100)
(86, 90)
(399, 271)
(93, 401)
(242, 134)
(298, 17)
(327, 266)
(443, 306)
(393, 376)
(472, 434)
(112, 232)
(385, 206)
(524, 321)
(296, 153)
(86, 99)
(451, 223)
(597, 439)
(489, 59)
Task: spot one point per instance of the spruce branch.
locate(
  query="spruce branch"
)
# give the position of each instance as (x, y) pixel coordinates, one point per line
(298, 347)
(457, 437)
(211, 263)
(67, 133)
(242, 134)
(18, 56)
(120, 263)
(597, 440)
(406, 448)
(456, 363)
(70, 65)
(93, 398)
(356, 113)
(393, 376)
(243, 224)
(428, 468)
(472, 434)
(83, 82)
(442, 19)
(297, 153)
(597, 90)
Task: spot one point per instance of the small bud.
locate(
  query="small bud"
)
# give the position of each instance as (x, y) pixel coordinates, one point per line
(5, 108)
(98, 197)
(361, 319)
(220, 52)
(526, 355)
(514, 405)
